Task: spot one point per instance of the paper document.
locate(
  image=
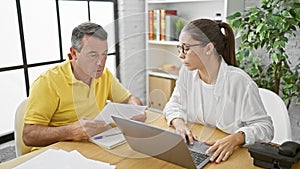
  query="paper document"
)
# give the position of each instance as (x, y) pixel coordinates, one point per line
(109, 139)
(121, 110)
(62, 159)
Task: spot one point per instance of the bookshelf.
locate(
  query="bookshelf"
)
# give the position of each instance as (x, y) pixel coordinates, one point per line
(162, 56)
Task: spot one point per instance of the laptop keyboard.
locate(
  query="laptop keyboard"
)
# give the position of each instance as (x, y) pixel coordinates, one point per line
(198, 157)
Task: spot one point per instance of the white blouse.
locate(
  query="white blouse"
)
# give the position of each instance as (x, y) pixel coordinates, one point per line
(232, 104)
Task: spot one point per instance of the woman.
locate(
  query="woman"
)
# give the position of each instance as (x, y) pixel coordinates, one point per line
(211, 91)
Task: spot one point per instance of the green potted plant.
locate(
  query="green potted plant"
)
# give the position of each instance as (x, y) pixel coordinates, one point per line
(269, 28)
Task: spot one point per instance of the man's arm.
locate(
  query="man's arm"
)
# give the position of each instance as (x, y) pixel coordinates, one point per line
(39, 135)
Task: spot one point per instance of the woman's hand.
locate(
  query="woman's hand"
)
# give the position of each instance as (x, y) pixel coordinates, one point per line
(224, 147)
(183, 130)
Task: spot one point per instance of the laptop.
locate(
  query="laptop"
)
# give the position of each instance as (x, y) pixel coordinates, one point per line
(162, 144)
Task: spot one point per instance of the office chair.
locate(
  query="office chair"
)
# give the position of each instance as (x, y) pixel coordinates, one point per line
(20, 147)
(276, 108)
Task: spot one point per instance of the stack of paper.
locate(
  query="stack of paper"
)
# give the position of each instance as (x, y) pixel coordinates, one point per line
(121, 110)
(114, 137)
(63, 160)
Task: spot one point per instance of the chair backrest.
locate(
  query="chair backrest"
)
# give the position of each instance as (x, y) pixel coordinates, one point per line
(276, 108)
(20, 147)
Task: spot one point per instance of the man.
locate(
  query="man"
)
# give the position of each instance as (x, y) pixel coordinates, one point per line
(64, 100)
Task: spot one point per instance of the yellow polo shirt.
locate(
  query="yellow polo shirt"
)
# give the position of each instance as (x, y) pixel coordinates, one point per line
(56, 98)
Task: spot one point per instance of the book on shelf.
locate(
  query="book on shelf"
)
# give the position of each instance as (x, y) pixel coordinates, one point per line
(170, 34)
(163, 23)
(154, 24)
(150, 24)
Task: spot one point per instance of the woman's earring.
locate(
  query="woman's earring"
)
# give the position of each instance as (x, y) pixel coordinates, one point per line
(207, 53)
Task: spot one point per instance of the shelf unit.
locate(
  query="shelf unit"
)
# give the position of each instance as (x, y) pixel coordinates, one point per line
(160, 53)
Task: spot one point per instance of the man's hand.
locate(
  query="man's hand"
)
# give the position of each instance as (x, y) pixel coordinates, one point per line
(224, 147)
(140, 117)
(86, 128)
(133, 100)
(136, 101)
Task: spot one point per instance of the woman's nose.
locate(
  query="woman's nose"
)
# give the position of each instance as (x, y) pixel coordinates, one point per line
(181, 55)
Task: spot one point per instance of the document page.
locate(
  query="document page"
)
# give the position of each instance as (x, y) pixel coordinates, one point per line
(120, 110)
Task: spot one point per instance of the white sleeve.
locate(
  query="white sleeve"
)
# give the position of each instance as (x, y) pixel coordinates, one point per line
(258, 125)
(176, 106)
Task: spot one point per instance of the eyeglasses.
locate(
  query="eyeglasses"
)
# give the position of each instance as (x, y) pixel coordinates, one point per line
(184, 48)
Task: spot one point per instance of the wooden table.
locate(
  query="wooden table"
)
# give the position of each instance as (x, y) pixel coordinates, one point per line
(123, 157)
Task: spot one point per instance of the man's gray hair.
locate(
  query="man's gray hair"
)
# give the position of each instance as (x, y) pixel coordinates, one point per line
(86, 28)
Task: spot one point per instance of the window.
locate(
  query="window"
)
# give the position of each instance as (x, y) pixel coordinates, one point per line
(36, 36)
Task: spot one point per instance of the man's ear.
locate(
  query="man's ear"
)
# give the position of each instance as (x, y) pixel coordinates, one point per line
(72, 54)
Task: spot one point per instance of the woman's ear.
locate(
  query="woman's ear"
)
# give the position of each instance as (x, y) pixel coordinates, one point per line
(209, 48)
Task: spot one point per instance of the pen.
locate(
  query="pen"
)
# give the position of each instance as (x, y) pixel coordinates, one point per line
(108, 135)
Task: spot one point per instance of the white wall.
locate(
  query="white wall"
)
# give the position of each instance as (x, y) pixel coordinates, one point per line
(132, 46)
